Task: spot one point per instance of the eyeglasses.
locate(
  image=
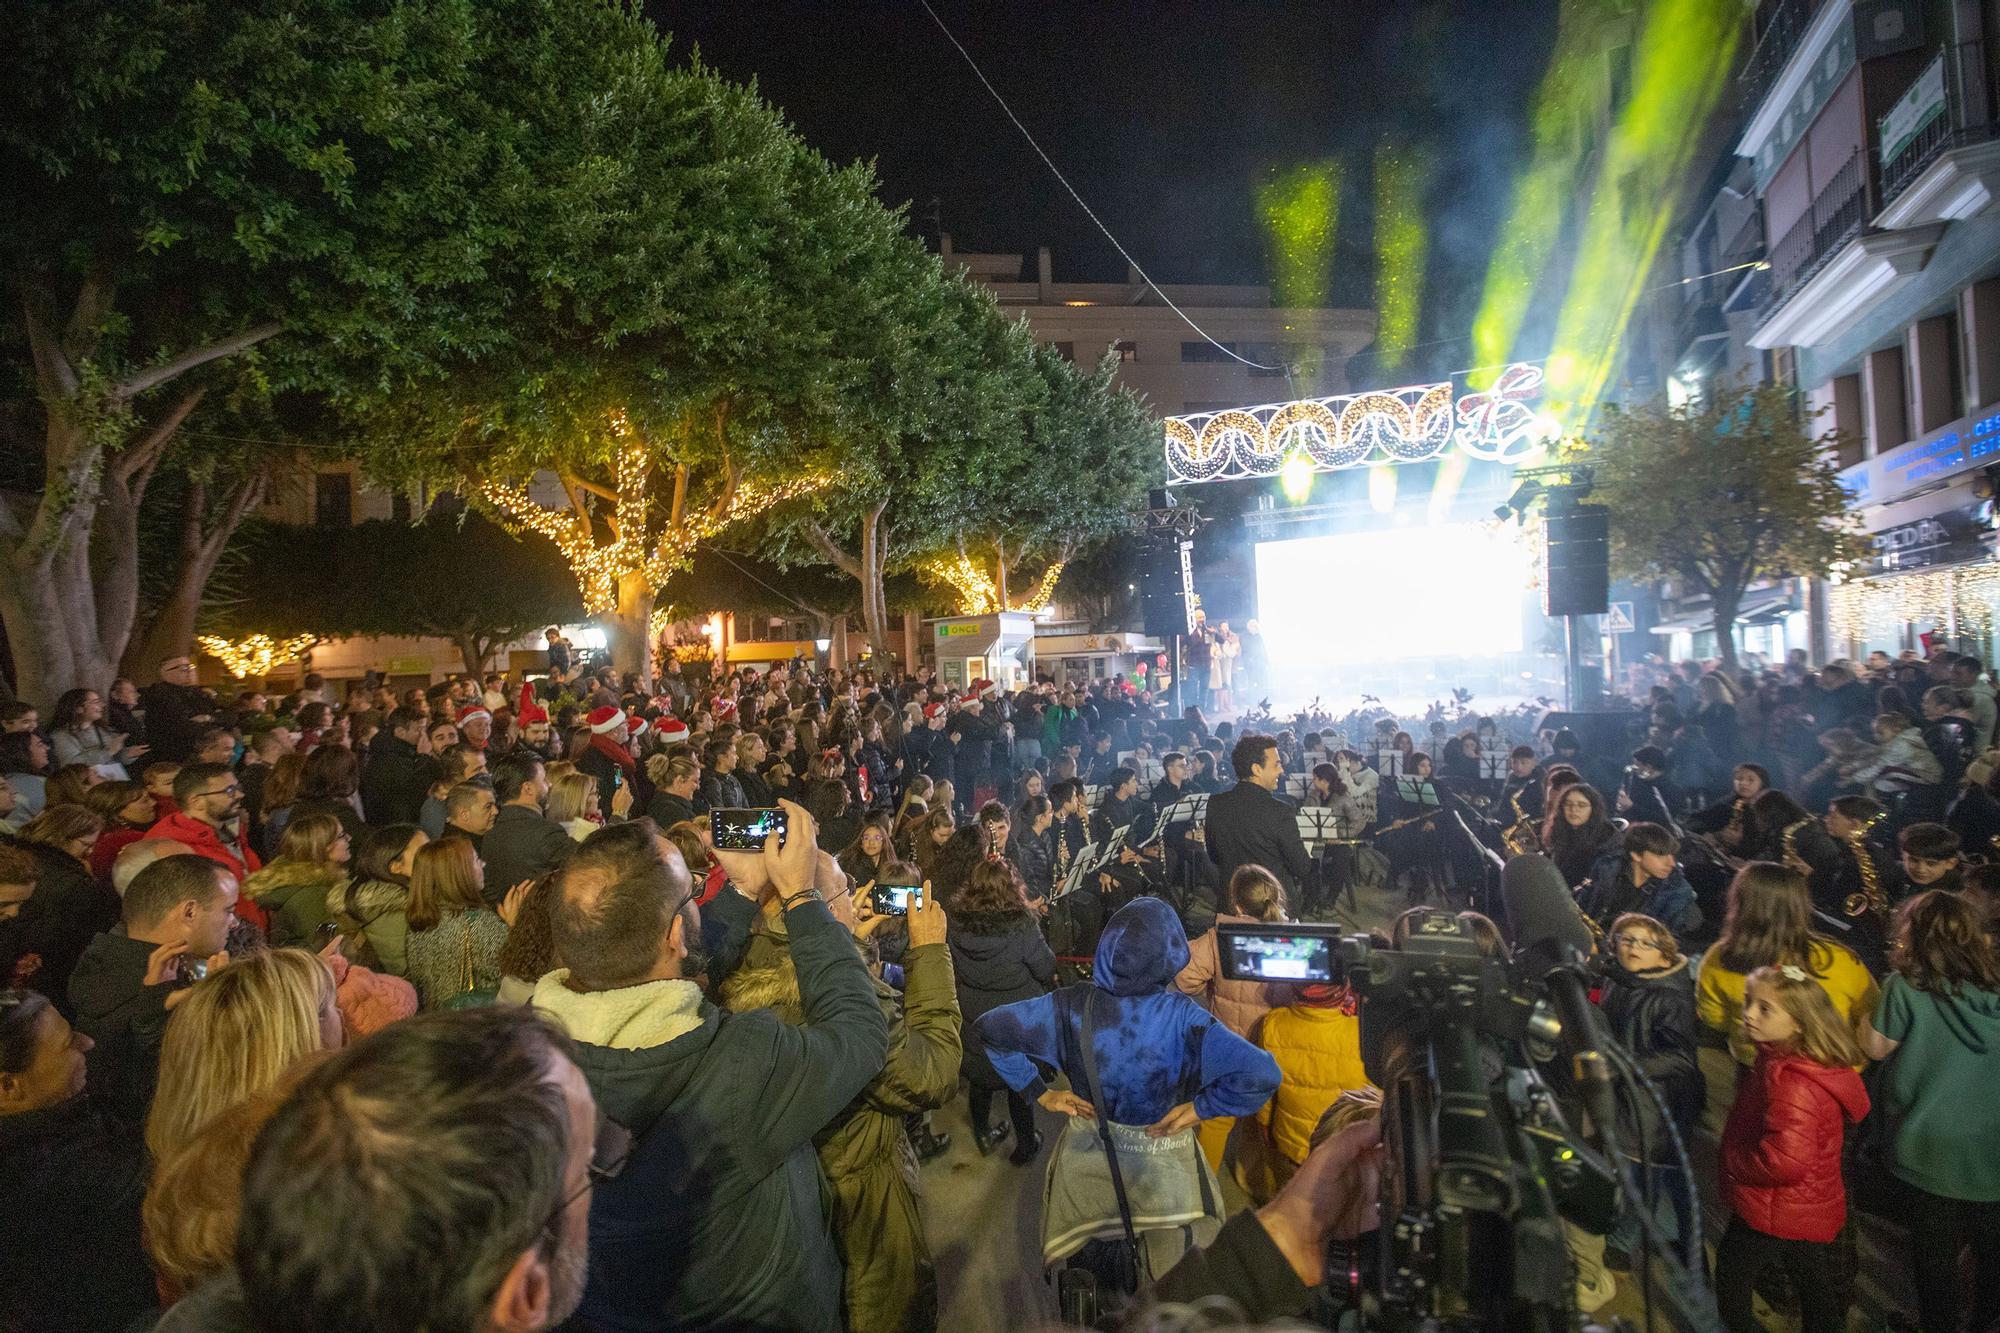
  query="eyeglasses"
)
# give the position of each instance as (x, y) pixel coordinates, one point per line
(1636, 941)
(231, 790)
(610, 1154)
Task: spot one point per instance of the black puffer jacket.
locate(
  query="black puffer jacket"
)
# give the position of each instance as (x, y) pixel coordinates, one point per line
(1653, 1017)
(997, 958)
(68, 909)
(72, 1262)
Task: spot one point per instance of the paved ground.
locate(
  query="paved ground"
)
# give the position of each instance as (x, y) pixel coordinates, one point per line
(983, 1216)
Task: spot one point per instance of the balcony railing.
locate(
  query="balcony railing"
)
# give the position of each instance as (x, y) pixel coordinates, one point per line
(1835, 218)
(1966, 116)
(1781, 26)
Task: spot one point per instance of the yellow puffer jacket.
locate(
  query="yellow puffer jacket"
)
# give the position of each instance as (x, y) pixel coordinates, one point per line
(1318, 1051)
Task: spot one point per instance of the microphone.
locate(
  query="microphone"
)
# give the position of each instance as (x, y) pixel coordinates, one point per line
(1542, 915)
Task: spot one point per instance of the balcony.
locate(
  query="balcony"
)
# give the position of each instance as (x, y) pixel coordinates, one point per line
(1941, 154)
(1829, 268)
(1833, 220)
(1781, 26)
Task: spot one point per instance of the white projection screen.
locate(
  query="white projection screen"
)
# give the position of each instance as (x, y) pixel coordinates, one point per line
(1392, 595)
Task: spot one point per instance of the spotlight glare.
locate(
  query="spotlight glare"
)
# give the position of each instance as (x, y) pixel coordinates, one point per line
(1295, 477)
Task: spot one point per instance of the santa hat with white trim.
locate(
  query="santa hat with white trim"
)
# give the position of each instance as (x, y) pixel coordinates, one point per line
(605, 720)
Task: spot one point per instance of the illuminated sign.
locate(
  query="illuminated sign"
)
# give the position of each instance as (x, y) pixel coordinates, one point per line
(957, 631)
(1408, 425)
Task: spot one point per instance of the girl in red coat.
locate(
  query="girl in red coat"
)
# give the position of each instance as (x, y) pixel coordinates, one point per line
(1781, 1150)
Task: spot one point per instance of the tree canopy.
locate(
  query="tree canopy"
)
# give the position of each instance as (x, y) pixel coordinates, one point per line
(1719, 493)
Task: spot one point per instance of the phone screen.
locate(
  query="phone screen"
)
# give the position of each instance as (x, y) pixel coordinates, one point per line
(896, 899)
(1283, 953)
(745, 830)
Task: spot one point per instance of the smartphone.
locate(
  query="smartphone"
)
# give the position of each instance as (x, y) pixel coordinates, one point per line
(745, 830)
(896, 899)
(1300, 952)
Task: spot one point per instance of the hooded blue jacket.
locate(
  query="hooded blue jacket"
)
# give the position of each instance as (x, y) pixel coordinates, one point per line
(1156, 1047)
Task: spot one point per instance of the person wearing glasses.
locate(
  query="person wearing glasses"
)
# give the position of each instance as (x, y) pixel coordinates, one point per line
(210, 818)
(176, 709)
(439, 1174)
(718, 1221)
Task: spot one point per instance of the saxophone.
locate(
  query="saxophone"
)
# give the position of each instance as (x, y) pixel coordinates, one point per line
(1519, 837)
(1871, 900)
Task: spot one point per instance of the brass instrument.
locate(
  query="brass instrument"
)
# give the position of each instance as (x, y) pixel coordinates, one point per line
(1731, 836)
(1871, 900)
(1788, 847)
(1520, 837)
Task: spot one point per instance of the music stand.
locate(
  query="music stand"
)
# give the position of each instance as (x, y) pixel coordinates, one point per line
(1079, 865)
(1296, 784)
(1389, 762)
(1493, 760)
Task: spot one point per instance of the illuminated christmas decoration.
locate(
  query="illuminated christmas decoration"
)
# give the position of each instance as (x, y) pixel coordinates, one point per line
(1413, 424)
(599, 566)
(1880, 612)
(979, 595)
(257, 655)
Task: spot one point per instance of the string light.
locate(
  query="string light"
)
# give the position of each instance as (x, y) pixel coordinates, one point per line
(1861, 612)
(601, 566)
(979, 595)
(257, 655)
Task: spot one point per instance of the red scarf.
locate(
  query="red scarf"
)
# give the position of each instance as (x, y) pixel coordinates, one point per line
(617, 754)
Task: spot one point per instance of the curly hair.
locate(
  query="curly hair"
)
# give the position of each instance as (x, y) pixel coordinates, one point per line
(1940, 945)
(993, 888)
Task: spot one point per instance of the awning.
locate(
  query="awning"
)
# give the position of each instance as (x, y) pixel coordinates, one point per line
(1764, 609)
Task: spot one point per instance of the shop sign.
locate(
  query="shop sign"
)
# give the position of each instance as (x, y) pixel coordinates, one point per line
(1921, 103)
(1953, 537)
(959, 631)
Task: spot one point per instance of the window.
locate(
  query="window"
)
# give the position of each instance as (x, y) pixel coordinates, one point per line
(1127, 350)
(333, 500)
(1201, 353)
(1955, 367)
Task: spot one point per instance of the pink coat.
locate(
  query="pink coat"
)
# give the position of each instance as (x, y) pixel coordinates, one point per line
(369, 1001)
(1241, 1005)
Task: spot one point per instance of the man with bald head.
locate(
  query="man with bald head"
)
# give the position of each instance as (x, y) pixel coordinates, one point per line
(722, 1107)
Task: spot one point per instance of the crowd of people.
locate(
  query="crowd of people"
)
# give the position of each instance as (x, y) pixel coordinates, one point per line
(442, 1008)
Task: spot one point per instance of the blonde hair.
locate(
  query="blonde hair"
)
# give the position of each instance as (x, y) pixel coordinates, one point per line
(195, 1197)
(1255, 891)
(235, 1034)
(309, 838)
(1824, 1036)
(1351, 1107)
(443, 883)
(1663, 938)
(573, 796)
(556, 770)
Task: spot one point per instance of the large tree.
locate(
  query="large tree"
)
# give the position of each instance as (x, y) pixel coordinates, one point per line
(686, 364)
(1718, 493)
(293, 196)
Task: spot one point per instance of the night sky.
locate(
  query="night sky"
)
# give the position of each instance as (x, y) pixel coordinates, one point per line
(1167, 116)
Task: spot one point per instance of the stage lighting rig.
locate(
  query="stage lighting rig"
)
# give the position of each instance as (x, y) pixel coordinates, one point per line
(1166, 516)
(1562, 485)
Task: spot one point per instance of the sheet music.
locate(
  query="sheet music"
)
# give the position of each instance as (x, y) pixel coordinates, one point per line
(1389, 763)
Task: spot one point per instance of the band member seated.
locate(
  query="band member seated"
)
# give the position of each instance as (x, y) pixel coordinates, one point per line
(1729, 820)
(1868, 881)
(1642, 876)
(1409, 834)
(1790, 836)
(1577, 831)
(1122, 806)
(1646, 795)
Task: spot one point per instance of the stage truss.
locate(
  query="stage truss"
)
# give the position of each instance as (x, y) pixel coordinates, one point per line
(1413, 424)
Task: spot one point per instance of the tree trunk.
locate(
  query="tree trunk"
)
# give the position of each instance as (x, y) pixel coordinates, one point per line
(627, 628)
(1000, 576)
(1725, 631)
(473, 653)
(874, 600)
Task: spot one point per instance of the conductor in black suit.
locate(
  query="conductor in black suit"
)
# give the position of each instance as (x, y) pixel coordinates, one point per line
(1250, 824)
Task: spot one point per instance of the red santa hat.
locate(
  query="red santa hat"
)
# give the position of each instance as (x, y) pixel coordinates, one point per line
(989, 689)
(639, 725)
(605, 720)
(724, 708)
(472, 710)
(932, 710)
(529, 711)
(673, 731)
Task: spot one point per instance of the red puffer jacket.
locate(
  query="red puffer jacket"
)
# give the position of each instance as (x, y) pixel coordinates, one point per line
(1781, 1147)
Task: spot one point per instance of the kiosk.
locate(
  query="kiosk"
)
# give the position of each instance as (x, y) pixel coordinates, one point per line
(998, 647)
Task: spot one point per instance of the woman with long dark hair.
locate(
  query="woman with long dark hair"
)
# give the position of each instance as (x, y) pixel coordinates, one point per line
(999, 956)
(872, 848)
(327, 786)
(1790, 836)
(1578, 830)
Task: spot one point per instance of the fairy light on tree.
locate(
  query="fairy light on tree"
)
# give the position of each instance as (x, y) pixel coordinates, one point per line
(256, 655)
(619, 578)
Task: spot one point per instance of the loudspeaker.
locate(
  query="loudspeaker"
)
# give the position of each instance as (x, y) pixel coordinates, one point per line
(1577, 581)
(1164, 578)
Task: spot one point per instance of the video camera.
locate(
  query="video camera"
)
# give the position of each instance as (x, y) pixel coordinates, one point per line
(1480, 1122)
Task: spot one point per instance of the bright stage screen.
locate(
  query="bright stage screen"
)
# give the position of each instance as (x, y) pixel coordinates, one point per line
(1450, 591)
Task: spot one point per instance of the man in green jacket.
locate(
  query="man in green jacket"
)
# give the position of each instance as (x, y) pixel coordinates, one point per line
(713, 1220)
(865, 1150)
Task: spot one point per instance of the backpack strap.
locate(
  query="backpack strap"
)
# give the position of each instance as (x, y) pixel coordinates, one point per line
(1101, 1119)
